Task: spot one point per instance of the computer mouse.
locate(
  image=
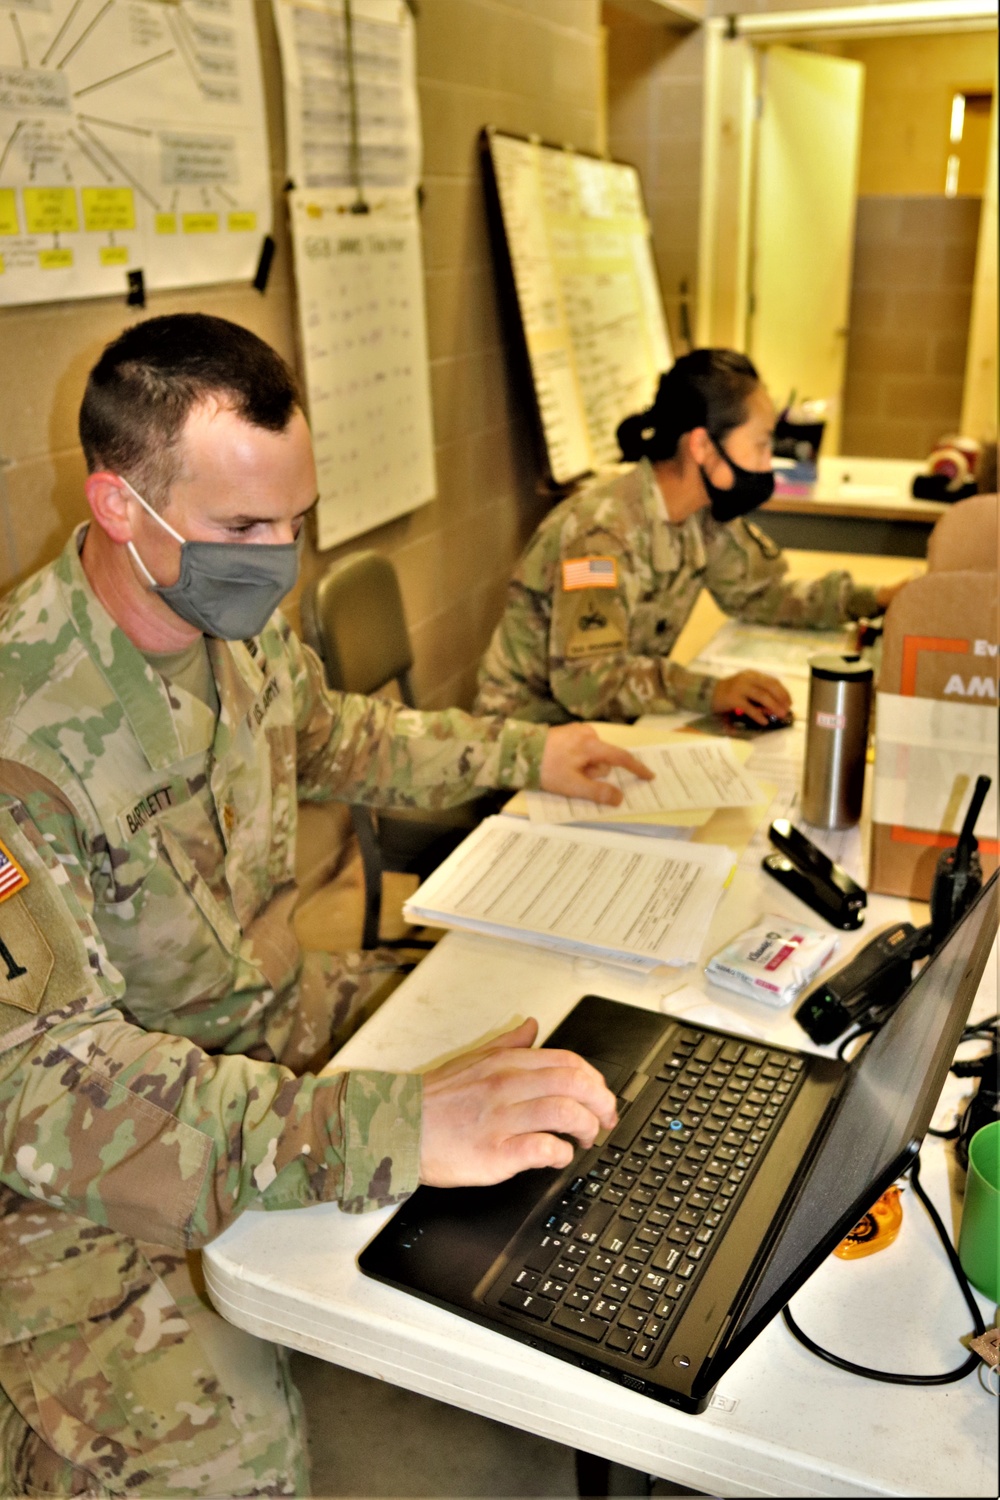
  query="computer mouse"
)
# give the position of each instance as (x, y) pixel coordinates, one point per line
(774, 721)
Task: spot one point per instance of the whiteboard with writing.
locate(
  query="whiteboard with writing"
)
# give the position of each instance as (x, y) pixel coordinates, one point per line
(364, 343)
(132, 137)
(580, 254)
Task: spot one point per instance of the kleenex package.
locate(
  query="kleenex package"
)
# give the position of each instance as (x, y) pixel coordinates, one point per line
(772, 961)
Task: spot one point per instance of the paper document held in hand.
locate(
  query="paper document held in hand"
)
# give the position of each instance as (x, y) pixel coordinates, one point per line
(686, 779)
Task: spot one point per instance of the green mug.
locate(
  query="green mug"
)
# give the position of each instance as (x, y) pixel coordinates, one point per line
(979, 1236)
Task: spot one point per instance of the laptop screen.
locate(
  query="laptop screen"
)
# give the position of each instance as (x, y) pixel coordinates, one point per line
(887, 1102)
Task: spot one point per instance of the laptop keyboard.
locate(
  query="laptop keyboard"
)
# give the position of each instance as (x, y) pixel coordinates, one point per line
(621, 1252)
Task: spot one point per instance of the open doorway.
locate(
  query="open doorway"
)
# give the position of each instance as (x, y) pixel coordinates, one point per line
(913, 233)
(921, 182)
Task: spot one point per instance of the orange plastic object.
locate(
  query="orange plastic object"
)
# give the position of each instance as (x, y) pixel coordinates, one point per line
(876, 1230)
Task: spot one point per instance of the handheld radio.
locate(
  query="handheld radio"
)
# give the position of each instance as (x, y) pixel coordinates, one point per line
(959, 874)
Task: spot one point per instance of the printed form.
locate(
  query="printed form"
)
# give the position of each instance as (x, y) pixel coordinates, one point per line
(604, 894)
(686, 778)
(768, 648)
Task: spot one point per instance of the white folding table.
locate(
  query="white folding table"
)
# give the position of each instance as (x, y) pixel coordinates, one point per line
(781, 1422)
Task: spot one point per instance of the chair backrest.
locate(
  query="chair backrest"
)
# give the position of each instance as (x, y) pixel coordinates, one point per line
(353, 617)
(966, 537)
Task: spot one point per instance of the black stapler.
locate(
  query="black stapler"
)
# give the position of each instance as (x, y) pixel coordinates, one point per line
(812, 876)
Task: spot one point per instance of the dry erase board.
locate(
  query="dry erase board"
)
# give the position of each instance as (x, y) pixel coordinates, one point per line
(573, 240)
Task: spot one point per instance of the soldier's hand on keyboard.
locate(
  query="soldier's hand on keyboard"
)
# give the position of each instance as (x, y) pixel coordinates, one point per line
(504, 1108)
(575, 759)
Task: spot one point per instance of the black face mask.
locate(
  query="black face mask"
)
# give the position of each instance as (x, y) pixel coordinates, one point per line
(750, 488)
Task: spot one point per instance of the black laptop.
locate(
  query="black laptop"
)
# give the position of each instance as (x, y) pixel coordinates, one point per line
(735, 1168)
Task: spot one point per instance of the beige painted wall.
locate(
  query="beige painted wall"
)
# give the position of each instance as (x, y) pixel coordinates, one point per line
(909, 85)
(526, 65)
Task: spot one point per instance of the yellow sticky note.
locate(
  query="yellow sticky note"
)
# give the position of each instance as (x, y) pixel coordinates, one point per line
(106, 208)
(50, 210)
(114, 255)
(55, 260)
(200, 223)
(241, 221)
(166, 223)
(8, 212)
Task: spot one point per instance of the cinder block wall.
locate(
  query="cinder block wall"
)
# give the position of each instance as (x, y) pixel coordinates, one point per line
(524, 65)
(655, 102)
(911, 296)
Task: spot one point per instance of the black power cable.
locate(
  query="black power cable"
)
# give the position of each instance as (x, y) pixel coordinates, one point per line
(960, 1371)
(984, 1104)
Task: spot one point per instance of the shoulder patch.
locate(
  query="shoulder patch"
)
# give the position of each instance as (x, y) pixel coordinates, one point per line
(44, 959)
(592, 625)
(589, 573)
(12, 877)
(26, 960)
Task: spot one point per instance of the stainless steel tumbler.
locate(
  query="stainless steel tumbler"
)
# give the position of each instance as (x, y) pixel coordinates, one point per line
(840, 692)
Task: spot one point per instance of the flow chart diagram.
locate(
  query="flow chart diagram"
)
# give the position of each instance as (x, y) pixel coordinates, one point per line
(132, 139)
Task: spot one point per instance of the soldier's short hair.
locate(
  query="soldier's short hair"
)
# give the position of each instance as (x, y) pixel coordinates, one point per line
(148, 380)
(707, 388)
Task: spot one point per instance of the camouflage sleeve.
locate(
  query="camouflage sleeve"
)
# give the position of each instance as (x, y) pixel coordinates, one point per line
(618, 688)
(746, 577)
(591, 671)
(375, 751)
(145, 1132)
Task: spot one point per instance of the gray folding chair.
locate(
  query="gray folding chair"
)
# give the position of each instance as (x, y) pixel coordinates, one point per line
(353, 618)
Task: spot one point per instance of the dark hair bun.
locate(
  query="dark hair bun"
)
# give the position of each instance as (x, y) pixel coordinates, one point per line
(706, 388)
(630, 436)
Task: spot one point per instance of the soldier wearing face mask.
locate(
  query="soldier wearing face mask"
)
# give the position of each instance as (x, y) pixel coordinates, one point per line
(161, 1029)
(612, 574)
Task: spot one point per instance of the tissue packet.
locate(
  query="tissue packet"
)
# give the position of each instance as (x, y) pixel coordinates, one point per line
(772, 961)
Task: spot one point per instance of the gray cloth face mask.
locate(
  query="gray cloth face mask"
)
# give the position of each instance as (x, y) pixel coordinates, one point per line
(226, 589)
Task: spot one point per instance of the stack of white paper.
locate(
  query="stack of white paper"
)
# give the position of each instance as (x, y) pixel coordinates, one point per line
(614, 896)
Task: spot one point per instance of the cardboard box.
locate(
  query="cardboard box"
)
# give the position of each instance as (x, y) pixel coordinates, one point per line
(936, 710)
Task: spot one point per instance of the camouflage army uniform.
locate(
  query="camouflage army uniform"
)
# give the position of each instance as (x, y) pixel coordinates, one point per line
(155, 1013)
(599, 648)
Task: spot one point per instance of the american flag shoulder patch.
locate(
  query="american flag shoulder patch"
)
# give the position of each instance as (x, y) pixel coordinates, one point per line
(12, 877)
(589, 573)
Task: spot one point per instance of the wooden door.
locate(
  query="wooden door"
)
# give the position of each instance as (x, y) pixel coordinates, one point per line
(803, 224)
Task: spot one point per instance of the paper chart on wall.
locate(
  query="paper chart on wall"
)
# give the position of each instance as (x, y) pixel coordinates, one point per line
(581, 258)
(364, 343)
(132, 137)
(318, 40)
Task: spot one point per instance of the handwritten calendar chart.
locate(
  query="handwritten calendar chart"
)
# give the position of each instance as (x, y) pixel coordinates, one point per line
(364, 342)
